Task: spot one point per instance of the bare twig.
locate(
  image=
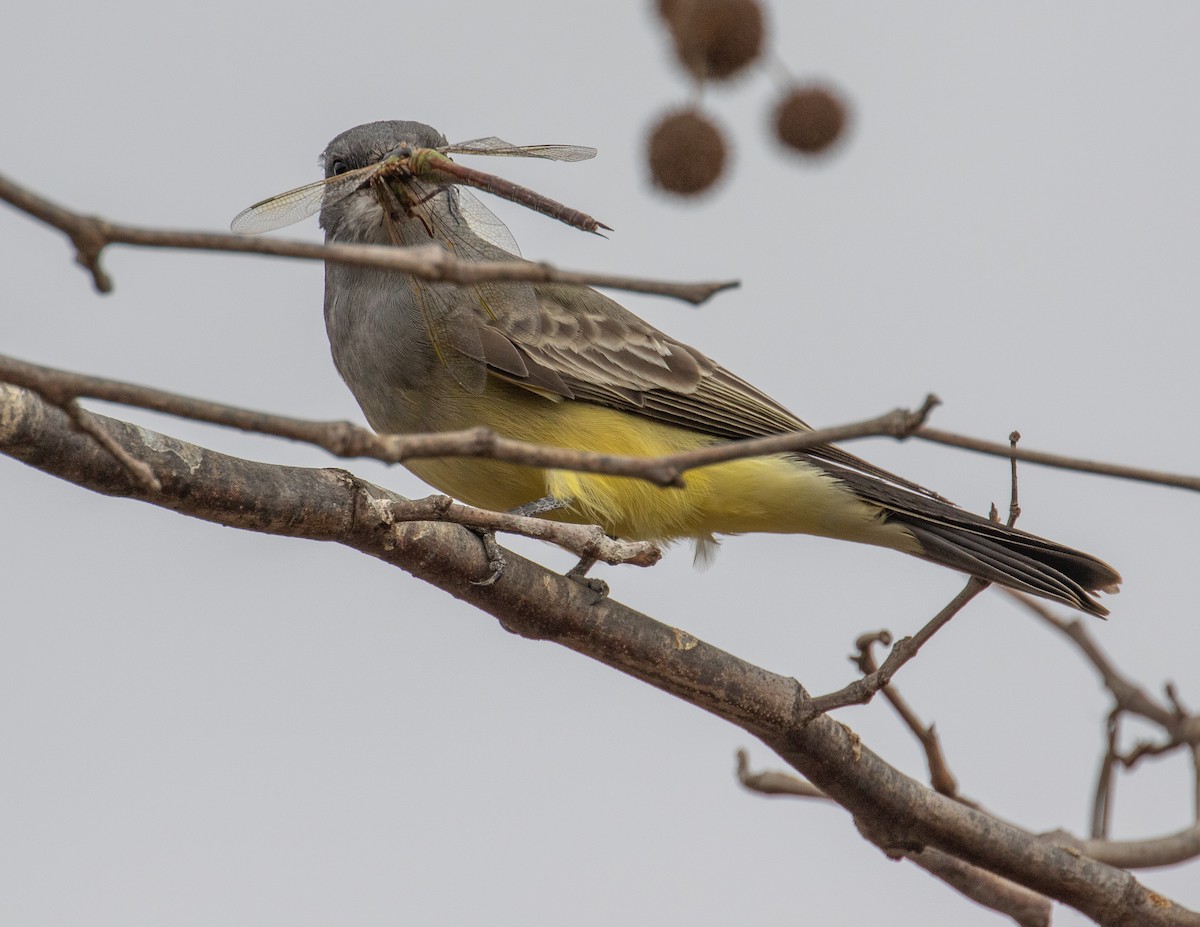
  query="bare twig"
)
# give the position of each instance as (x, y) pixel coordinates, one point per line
(1128, 695)
(344, 439)
(332, 505)
(1079, 464)
(1102, 801)
(940, 776)
(991, 891)
(862, 690)
(1029, 909)
(87, 423)
(582, 540)
(1196, 783)
(91, 235)
(1014, 503)
(1182, 732)
(773, 782)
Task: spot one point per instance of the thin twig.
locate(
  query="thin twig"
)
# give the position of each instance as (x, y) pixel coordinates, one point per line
(138, 470)
(940, 776)
(1025, 907)
(582, 540)
(1102, 801)
(1079, 464)
(773, 782)
(91, 235)
(1014, 504)
(862, 690)
(344, 439)
(1183, 732)
(1128, 695)
(331, 505)
(1196, 784)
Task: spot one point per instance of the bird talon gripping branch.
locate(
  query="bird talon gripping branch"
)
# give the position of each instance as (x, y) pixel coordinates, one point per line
(495, 557)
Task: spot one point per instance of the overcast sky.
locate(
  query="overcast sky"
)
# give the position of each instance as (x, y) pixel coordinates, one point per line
(204, 726)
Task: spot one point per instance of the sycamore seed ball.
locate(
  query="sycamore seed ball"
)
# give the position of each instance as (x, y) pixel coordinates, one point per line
(810, 119)
(715, 39)
(686, 152)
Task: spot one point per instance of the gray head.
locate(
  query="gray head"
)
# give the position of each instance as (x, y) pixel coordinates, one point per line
(358, 217)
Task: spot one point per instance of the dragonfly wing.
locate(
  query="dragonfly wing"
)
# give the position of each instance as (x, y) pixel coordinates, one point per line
(466, 228)
(451, 315)
(484, 223)
(498, 146)
(297, 205)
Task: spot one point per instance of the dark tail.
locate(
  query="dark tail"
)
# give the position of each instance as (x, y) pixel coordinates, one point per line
(1012, 558)
(962, 540)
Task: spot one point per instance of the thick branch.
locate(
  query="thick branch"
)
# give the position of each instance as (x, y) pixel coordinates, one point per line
(333, 505)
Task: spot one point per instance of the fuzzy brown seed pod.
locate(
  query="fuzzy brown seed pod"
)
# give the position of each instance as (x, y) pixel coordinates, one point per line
(810, 119)
(715, 39)
(666, 9)
(686, 152)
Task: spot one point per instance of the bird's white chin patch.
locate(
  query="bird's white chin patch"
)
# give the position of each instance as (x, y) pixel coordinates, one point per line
(362, 219)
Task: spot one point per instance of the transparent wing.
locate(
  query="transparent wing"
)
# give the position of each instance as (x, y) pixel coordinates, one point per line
(498, 146)
(483, 222)
(296, 205)
(454, 315)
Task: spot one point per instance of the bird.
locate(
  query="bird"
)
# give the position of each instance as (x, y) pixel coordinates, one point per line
(567, 366)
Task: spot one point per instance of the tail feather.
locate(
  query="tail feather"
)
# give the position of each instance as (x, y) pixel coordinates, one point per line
(1012, 558)
(964, 541)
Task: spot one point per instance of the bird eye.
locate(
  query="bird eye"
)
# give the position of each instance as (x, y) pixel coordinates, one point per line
(338, 167)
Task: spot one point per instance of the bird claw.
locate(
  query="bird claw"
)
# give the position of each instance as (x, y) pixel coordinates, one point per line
(578, 573)
(495, 558)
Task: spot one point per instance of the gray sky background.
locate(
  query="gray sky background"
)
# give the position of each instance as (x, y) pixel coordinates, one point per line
(205, 726)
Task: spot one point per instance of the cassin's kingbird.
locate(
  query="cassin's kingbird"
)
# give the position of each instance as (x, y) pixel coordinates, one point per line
(569, 367)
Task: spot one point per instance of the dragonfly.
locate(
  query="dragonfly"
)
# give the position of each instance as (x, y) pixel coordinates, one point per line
(422, 165)
(427, 185)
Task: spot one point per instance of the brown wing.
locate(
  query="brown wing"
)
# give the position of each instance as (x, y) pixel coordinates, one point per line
(589, 348)
(586, 347)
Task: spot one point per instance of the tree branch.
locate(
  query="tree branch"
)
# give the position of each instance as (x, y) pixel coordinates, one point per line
(344, 439)
(347, 440)
(91, 235)
(1183, 733)
(1062, 462)
(1029, 909)
(585, 541)
(940, 776)
(1026, 908)
(332, 505)
(863, 689)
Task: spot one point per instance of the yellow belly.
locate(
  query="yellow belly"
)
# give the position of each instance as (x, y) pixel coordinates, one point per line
(772, 494)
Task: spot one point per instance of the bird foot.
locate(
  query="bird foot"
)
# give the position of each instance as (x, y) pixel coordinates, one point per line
(495, 557)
